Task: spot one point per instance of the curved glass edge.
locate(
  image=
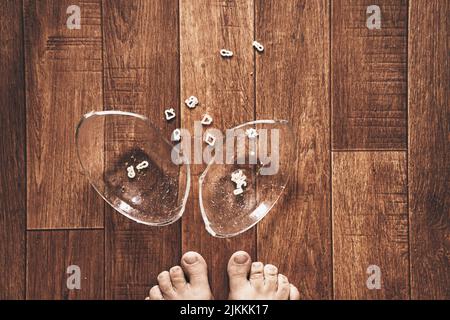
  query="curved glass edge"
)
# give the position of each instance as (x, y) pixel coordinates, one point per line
(293, 156)
(90, 114)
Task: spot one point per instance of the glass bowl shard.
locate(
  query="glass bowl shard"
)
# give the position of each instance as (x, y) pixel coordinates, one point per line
(130, 164)
(246, 176)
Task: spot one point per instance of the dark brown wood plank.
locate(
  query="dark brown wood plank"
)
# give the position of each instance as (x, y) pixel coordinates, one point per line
(370, 224)
(141, 76)
(369, 76)
(50, 253)
(429, 150)
(292, 82)
(225, 91)
(63, 77)
(12, 153)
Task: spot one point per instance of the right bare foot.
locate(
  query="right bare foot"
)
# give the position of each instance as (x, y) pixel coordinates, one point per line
(189, 282)
(256, 281)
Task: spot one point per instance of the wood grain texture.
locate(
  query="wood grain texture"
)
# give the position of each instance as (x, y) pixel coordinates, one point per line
(369, 76)
(225, 89)
(49, 253)
(292, 81)
(141, 76)
(324, 248)
(12, 154)
(370, 224)
(429, 150)
(63, 77)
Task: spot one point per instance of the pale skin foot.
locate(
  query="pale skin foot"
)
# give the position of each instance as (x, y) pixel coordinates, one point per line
(188, 282)
(256, 281)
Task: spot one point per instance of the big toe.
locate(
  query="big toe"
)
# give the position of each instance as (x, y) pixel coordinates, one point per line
(196, 269)
(238, 269)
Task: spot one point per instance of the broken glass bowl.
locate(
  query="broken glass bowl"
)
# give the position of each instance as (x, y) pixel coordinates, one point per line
(130, 164)
(246, 176)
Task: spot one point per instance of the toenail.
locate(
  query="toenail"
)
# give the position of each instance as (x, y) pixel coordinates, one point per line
(257, 265)
(175, 269)
(190, 258)
(241, 258)
(271, 269)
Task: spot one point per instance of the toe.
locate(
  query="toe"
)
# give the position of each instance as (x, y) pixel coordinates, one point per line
(196, 269)
(155, 294)
(165, 285)
(294, 294)
(257, 275)
(238, 269)
(283, 288)
(270, 277)
(177, 277)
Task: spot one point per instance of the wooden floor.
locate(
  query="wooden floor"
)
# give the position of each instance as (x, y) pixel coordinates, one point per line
(370, 109)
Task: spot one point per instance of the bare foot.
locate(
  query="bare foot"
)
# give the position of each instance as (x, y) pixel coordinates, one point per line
(256, 281)
(188, 282)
